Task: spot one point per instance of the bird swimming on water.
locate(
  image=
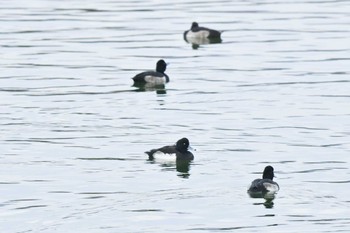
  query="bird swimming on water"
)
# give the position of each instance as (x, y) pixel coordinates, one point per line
(201, 32)
(266, 184)
(157, 77)
(177, 152)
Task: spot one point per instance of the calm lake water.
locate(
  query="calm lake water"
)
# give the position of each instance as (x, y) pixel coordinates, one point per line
(74, 130)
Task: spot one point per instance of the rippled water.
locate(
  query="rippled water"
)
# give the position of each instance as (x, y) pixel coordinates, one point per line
(74, 129)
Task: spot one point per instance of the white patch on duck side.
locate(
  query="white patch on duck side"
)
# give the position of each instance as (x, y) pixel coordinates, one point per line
(271, 187)
(155, 80)
(199, 34)
(198, 40)
(162, 157)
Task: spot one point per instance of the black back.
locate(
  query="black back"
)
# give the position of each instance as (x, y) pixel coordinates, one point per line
(212, 33)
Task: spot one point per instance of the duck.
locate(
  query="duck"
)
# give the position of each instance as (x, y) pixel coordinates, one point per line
(201, 32)
(266, 184)
(178, 152)
(157, 77)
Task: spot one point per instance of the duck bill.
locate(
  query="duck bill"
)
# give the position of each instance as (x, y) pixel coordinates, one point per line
(190, 148)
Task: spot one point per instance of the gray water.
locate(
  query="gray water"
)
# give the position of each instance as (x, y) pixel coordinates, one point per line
(74, 129)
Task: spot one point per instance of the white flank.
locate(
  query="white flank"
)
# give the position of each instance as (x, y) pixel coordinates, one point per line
(155, 80)
(162, 157)
(200, 34)
(271, 187)
(198, 40)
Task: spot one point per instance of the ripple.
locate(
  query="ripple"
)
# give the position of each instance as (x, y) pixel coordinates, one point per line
(293, 83)
(324, 162)
(5, 183)
(109, 158)
(330, 182)
(145, 210)
(230, 228)
(30, 207)
(320, 169)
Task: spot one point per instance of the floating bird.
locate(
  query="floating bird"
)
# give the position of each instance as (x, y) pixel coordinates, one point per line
(176, 152)
(201, 32)
(157, 77)
(266, 184)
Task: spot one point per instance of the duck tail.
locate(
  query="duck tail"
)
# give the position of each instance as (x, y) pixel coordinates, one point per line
(150, 155)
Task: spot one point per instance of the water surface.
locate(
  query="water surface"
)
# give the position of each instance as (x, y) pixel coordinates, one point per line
(74, 129)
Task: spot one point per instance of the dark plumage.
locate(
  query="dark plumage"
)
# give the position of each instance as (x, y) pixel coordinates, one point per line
(157, 77)
(266, 184)
(197, 31)
(180, 150)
